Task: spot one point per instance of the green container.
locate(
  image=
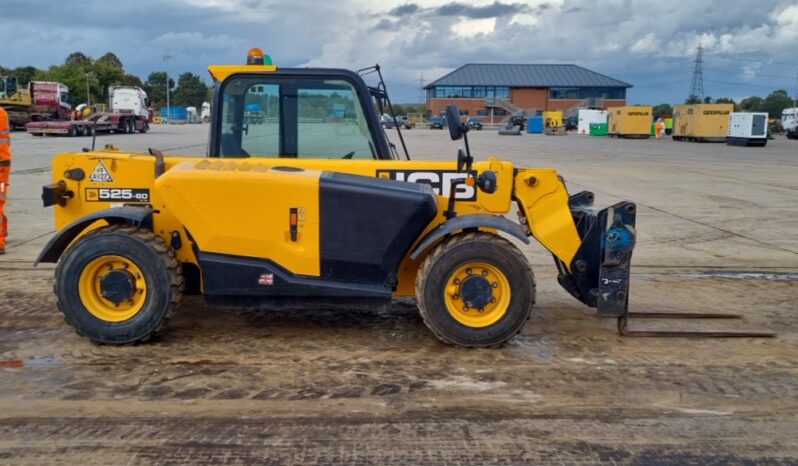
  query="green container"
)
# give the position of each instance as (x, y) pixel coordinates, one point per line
(598, 129)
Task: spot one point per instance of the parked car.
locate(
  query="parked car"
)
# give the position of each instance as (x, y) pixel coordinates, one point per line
(474, 123)
(436, 123)
(387, 122)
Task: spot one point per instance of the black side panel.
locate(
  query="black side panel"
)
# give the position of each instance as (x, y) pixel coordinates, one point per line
(368, 225)
(229, 277)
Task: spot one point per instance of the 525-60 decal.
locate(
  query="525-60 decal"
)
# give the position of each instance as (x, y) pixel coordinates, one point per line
(117, 195)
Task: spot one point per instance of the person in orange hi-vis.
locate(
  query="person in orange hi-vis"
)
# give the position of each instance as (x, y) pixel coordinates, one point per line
(659, 128)
(5, 170)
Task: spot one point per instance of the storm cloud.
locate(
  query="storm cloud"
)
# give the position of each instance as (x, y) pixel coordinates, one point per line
(748, 50)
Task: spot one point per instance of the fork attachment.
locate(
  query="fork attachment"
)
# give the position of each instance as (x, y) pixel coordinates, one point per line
(599, 273)
(624, 330)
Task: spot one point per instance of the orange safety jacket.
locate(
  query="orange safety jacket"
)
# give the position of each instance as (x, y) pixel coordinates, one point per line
(5, 170)
(5, 140)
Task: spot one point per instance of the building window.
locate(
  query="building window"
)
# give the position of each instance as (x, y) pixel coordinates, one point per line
(587, 93)
(482, 112)
(469, 92)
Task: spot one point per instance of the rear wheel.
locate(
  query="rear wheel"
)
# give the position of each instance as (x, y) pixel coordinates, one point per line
(72, 131)
(475, 290)
(118, 284)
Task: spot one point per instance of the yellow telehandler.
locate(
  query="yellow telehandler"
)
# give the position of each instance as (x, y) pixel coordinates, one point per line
(303, 201)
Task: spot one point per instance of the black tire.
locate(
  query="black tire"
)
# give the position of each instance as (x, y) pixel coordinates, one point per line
(84, 130)
(131, 127)
(72, 131)
(145, 127)
(474, 247)
(91, 130)
(158, 265)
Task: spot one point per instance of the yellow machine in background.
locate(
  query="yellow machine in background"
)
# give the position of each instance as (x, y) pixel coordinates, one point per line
(632, 122)
(552, 122)
(303, 200)
(701, 122)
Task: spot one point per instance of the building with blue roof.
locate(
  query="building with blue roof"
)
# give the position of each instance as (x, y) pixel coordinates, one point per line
(497, 90)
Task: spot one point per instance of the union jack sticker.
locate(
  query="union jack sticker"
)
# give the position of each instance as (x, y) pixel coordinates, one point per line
(266, 279)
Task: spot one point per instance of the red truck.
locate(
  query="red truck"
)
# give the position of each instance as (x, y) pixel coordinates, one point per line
(128, 113)
(41, 100)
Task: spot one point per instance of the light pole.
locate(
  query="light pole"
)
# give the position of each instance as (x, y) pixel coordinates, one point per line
(88, 92)
(166, 59)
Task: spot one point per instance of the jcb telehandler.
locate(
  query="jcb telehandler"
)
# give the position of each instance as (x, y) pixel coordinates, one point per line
(302, 200)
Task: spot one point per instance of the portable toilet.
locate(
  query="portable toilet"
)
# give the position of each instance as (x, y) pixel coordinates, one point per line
(534, 125)
(586, 118)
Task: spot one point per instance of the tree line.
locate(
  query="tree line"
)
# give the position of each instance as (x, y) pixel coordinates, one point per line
(88, 77)
(774, 104)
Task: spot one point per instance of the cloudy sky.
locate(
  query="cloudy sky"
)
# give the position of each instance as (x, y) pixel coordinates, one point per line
(750, 47)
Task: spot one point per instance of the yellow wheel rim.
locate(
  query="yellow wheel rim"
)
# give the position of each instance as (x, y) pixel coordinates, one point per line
(487, 308)
(112, 308)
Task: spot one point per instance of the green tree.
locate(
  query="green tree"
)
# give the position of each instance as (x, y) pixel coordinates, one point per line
(662, 109)
(707, 100)
(131, 80)
(727, 100)
(191, 91)
(110, 59)
(776, 102)
(692, 99)
(75, 78)
(24, 75)
(751, 104)
(155, 87)
(78, 59)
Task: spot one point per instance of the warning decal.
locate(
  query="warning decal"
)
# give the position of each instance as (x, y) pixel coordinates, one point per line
(101, 174)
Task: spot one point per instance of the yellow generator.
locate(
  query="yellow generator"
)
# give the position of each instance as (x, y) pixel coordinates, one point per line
(632, 122)
(701, 122)
(552, 122)
(295, 210)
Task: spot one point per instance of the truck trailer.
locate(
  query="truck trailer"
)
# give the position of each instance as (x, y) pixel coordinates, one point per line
(747, 129)
(127, 113)
(39, 100)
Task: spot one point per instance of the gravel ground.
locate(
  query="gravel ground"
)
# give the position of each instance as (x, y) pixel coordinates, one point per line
(717, 232)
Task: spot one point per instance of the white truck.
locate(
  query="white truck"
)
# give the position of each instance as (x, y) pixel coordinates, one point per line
(747, 129)
(789, 121)
(128, 113)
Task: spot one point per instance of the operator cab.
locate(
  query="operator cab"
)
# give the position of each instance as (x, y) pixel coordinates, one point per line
(266, 111)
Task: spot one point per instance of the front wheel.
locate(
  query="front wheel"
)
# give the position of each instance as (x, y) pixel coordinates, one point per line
(118, 284)
(475, 290)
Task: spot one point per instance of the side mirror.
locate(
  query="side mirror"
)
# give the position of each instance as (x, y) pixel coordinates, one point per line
(456, 129)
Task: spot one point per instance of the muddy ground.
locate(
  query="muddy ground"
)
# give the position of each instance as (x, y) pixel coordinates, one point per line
(375, 387)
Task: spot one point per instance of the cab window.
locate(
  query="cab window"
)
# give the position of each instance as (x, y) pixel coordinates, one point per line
(305, 117)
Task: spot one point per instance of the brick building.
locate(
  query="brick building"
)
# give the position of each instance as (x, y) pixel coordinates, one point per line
(493, 91)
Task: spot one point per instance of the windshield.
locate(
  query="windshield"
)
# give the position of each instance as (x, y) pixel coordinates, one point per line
(305, 117)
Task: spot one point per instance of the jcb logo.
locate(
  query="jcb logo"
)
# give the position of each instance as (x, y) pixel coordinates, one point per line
(439, 180)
